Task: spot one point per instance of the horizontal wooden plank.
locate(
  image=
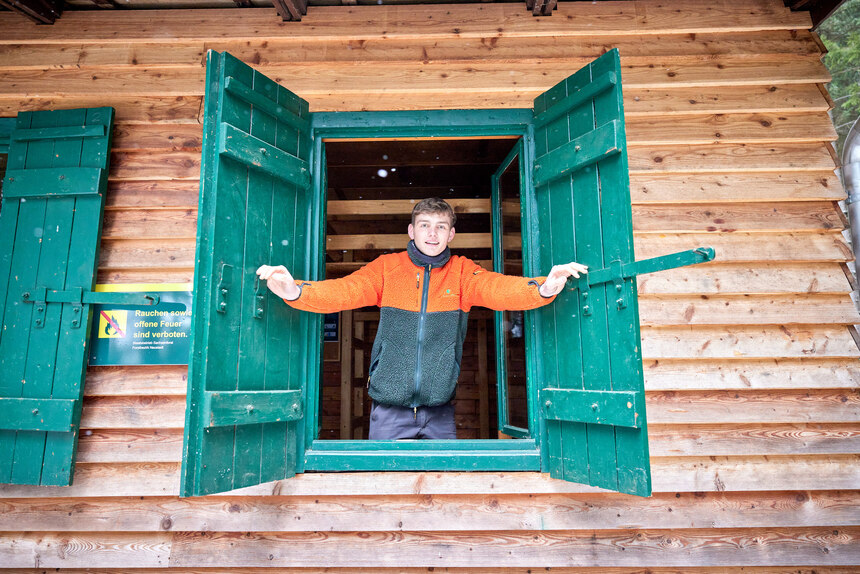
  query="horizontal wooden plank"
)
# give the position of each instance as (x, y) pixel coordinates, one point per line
(782, 406)
(144, 109)
(133, 412)
(761, 342)
(163, 165)
(26, 550)
(735, 187)
(136, 380)
(740, 278)
(753, 439)
(96, 55)
(373, 22)
(704, 374)
(735, 158)
(130, 445)
(746, 247)
(311, 79)
(541, 549)
(668, 310)
(150, 224)
(808, 546)
(176, 254)
(439, 513)
(669, 474)
(493, 570)
(273, 50)
(152, 194)
(157, 136)
(761, 128)
(146, 276)
(723, 100)
(788, 216)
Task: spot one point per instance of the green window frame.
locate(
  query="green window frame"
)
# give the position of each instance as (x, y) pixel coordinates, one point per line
(521, 454)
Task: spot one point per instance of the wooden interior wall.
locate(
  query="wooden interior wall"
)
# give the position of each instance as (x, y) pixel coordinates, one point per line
(751, 363)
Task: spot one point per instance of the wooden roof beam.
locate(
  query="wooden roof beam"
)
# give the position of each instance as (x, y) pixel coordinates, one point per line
(39, 11)
(541, 7)
(289, 10)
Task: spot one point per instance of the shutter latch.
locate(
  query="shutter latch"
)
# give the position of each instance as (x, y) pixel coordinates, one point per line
(224, 285)
(77, 298)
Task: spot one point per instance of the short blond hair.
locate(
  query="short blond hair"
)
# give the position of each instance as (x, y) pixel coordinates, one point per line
(434, 205)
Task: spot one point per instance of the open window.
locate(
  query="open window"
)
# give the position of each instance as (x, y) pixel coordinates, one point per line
(570, 375)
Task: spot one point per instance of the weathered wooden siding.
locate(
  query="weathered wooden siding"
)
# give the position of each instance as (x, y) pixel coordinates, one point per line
(751, 363)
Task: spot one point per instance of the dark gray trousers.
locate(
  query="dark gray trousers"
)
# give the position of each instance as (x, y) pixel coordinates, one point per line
(388, 422)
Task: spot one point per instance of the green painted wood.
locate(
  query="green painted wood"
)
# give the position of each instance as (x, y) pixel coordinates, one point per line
(54, 248)
(589, 148)
(661, 263)
(423, 123)
(584, 215)
(617, 408)
(59, 133)
(267, 103)
(321, 446)
(257, 154)
(6, 127)
(56, 415)
(50, 182)
(226, 408)
(576, 99)
(452, 461)
(78, 295)
(246, 342)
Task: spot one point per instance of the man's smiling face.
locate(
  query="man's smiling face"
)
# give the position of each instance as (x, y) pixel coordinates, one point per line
(431, 232)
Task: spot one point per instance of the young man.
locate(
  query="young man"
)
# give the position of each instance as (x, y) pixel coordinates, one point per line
(424, 295)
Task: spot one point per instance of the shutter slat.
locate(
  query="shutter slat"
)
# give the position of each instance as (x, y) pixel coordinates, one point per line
(51, 182)
(55, 415)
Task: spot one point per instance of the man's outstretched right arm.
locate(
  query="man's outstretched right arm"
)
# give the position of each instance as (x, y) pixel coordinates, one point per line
(359, 289)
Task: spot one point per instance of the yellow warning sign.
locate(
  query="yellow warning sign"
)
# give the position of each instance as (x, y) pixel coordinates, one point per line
(112, 324)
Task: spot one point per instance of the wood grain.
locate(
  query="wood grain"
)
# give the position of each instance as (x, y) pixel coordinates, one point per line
(669, 474)
(440, 513)
(372, 22)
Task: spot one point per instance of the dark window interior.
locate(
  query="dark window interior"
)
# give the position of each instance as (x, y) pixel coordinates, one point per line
(411, 169)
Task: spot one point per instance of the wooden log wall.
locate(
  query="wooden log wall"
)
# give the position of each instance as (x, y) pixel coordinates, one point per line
(751, 361)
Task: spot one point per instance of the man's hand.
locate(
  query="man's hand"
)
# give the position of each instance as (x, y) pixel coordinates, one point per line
(279, 281)
(558, 277)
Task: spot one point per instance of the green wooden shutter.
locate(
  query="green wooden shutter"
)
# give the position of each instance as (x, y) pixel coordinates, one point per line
(53, 199)
(590, 361)
(250, 353)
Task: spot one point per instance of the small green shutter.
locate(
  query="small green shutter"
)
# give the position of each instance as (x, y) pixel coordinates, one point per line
(251, 354)
(592, 397)
(53, 199)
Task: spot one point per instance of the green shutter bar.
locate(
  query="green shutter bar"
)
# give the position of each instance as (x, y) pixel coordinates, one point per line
(51, 415)
(563, 107)
(227, 408)
(588, 148)
(617, 272)
(258, 100)
(616, 408)
(662, 263)
(64, 133)
(259, 155)
(53, 182)
(78, 295)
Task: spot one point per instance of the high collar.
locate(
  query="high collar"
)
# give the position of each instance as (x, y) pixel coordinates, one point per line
(422, 260)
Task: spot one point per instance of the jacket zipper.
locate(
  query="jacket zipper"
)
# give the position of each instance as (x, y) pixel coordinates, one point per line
(421, 316)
